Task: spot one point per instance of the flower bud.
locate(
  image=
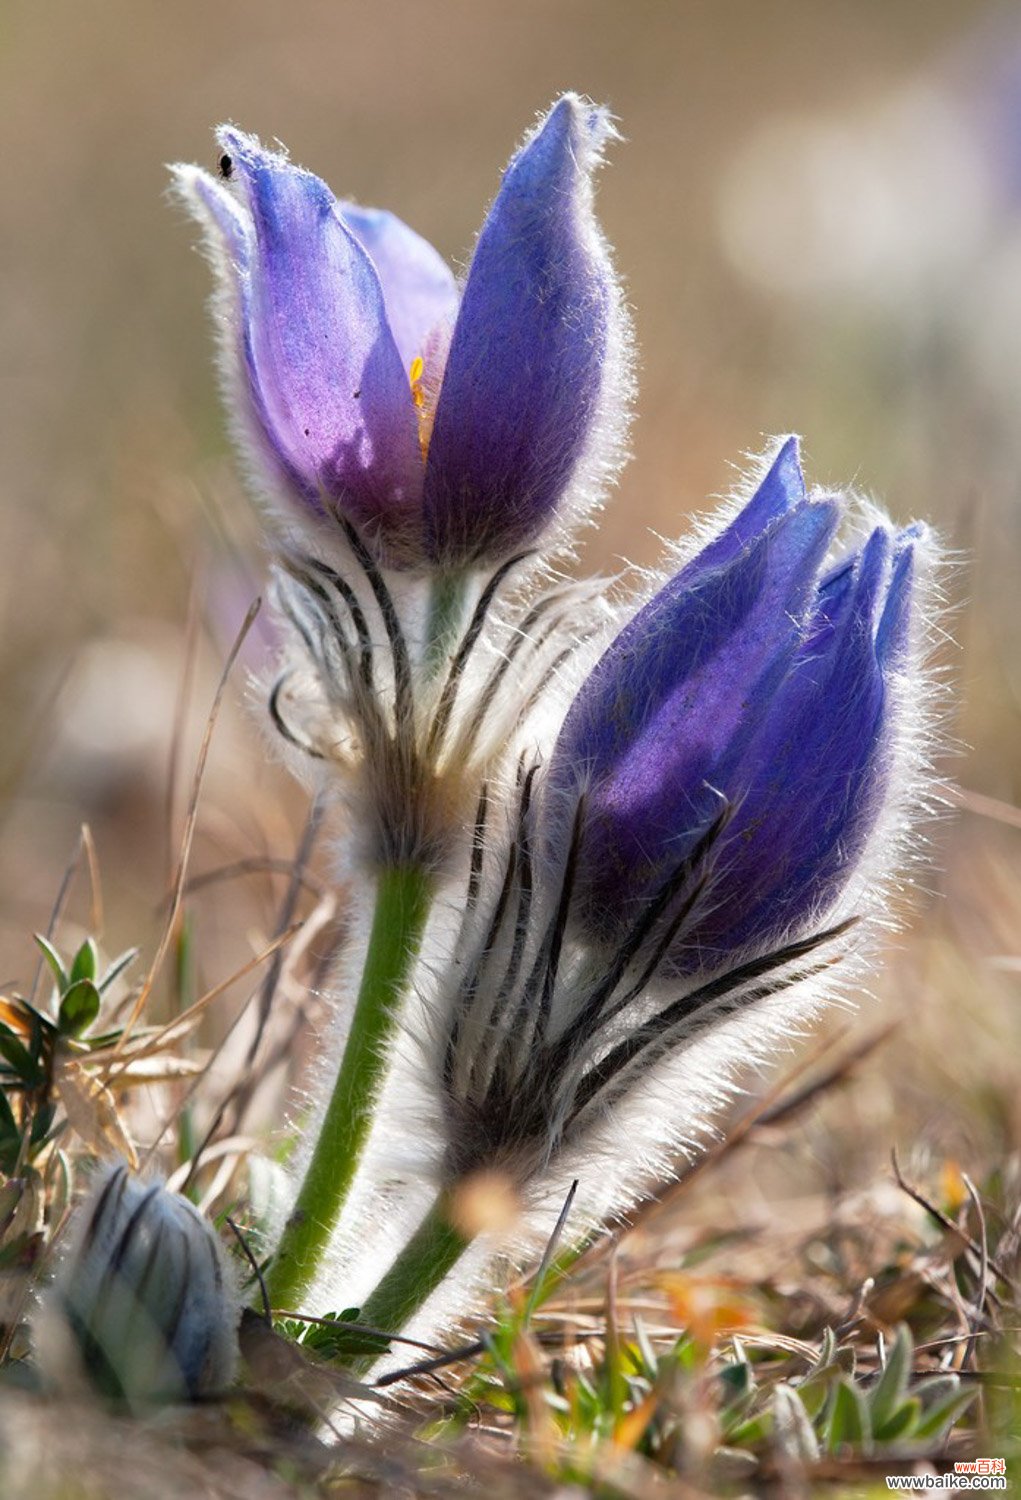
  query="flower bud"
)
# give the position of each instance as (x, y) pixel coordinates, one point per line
(143, 1296)
(766, 681)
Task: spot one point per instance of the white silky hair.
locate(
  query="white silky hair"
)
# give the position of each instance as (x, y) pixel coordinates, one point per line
(344, 740)
(408, 788)
(668, 1114)
(212, 202)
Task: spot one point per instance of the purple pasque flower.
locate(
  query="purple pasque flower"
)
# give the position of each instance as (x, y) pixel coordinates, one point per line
(733, 746)
(699, 844)
(447, 425)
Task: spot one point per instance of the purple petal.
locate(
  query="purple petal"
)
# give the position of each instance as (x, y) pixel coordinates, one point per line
(326, 377)
(810, 783)
(524, 375)
(780, 490)
(418, 285)
(675, 691)
(892, 636)
(220, 210)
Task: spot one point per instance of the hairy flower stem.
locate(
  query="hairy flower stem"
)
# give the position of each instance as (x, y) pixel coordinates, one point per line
(403, 899)
(448, 599)
(433, 1250)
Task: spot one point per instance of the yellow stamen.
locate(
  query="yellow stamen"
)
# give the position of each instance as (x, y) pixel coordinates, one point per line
(417, 371)
(422, 397)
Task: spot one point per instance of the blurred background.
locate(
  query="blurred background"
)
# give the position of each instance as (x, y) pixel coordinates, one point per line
(817, 210)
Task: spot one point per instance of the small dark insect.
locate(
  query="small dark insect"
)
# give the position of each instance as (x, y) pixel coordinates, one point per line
(356, 394)
(226, 166)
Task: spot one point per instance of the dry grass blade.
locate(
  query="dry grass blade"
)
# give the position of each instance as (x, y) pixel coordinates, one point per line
(96, 913)
(772, 1107)
(189, 829)
(186, 679)
(256, 864)
(163, 1069)
(92, 1113)
(285, 922)
(790, 1105)
(949, 1225)
(176, 1028)
(987, 807)
(59, 902)
(983, 1289)
(192, 1015)
(241, 1090)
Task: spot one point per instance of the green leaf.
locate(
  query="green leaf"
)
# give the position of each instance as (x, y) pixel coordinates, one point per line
(736, 1380)
(117, 968)
(936, 1388)
(54, 960)
(44, 1117)
(333, 1340)
(849, 1418)
(10, 1197)
(827, 1352)
(79, 1008)
(814, 1390)
(24, 1065)
(86, 962)
(890, 1388)
(10, 1136)
(792, 1429)
(938, 1419)
(649, 1363)
(751, 1433)
(99, 1041)
(900, 1423)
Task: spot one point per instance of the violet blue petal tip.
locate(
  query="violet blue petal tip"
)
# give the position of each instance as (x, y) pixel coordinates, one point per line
(714, 636)
(814, 780)
(523, 380)
(894, 630)
(781, 488)
(219, 209)
(326, 376)
(755, 675)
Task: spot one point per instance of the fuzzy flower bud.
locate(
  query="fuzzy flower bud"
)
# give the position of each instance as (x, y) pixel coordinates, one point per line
(725, 798)
(144, 1297)
(765, 682)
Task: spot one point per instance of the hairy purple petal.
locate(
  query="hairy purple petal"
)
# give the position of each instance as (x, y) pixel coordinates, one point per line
(649, 729)
(222, 210)
(812, 779)
(524, 376)
(418, 286)
(756, 680)
(782, 488)
(325, 373)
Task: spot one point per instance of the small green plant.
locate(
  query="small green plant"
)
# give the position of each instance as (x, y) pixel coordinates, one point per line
(647, 1399)
(50, 1057)
(831, 1409)
(33, 1041)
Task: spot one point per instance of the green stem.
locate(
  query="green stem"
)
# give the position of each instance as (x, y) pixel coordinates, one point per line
(402, 905)
(433, 1250)
(447, 598)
